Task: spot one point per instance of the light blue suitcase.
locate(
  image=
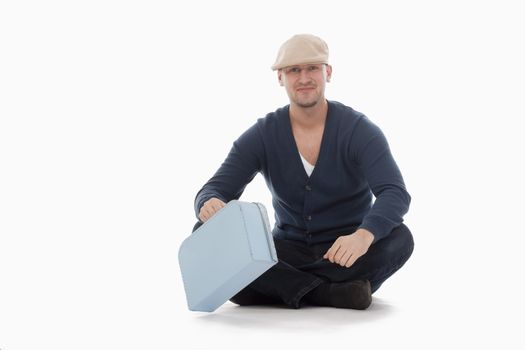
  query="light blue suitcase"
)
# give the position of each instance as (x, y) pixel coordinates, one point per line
(225, 254)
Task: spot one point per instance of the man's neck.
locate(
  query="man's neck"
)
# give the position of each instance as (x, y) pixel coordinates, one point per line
(309, 118)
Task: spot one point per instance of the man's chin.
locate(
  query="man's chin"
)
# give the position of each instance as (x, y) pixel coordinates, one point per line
(306, 104)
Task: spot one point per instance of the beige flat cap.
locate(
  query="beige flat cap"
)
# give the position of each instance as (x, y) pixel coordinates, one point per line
(301, 49)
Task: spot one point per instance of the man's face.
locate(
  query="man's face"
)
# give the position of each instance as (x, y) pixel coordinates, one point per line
(305, 83)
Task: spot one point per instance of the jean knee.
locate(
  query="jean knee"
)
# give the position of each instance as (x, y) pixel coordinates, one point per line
(400, 242)
(406, 240)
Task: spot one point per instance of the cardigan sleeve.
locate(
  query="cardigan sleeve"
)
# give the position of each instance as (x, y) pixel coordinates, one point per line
(239, 168)
(373, 156)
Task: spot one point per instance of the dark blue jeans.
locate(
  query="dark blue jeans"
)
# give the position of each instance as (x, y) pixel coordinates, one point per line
(301, 268)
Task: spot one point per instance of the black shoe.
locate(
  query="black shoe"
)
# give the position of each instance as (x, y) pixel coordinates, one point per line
(348, 295)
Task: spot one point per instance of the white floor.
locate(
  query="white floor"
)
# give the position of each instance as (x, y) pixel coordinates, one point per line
(126, 293)
(388, 323)
(72, 283)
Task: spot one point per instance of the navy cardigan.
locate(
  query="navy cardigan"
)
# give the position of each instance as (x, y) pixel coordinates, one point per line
(354, 162)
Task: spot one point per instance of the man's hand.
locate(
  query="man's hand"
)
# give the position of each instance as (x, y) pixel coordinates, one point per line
(209, 208)
(347, 249)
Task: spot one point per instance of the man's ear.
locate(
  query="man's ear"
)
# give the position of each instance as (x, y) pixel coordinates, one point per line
(328, 73)
(280, 77)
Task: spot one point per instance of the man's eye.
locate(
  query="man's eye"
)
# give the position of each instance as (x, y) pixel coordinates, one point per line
(295, 70)
(313, 68)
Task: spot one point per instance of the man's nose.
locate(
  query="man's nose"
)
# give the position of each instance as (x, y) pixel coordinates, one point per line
(304, 76)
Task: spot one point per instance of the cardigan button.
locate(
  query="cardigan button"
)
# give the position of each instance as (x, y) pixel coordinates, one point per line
(307, 187)
(308, 217)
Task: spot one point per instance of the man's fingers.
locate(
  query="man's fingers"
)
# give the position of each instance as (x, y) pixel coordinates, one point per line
(328, 252)
(344, 259)
(206, 213)
(351, 261)
(334, 252)
(339, 255)
(217, 206)
(210, 211)
(213, 206)
(331, 252)
(203, 216)
(210, 208)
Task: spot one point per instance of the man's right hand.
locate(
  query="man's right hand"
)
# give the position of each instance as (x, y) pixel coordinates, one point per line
(210, 207)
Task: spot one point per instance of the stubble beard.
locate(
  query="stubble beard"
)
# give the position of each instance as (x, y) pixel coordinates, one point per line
(307, 104)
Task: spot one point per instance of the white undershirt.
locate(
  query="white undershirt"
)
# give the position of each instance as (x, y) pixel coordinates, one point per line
(307, 166)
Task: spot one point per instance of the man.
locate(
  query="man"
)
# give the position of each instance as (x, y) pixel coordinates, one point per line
(322, 161)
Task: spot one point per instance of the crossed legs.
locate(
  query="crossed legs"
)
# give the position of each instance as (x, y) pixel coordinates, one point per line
(301, 268)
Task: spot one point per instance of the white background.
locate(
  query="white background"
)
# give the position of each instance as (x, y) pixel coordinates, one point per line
(113, 114)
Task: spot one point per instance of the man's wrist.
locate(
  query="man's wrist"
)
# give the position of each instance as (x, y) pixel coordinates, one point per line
(364, 233)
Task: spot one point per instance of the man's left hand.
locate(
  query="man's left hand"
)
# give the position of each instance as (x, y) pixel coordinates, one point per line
(347, 249)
